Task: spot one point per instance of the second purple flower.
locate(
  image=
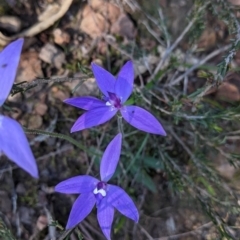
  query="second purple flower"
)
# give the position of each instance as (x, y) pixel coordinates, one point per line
(107, 197)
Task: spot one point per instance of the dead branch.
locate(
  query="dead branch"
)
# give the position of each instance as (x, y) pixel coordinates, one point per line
(38, 27)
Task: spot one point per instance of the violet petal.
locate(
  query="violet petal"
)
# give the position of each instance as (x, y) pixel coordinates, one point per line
(142, 120)
(9, 59)
(93, 118)
(105, 80)
(119, 199)
(86, 103)
(124, 82)
(105, 214)
(78, 184)
(80, 209)
(110, 158)
(15, 145)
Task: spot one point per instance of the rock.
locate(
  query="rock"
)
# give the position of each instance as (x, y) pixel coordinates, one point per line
(12, 24)
(97, 17)
(52, 55)
(93, 23)
(11, 2)
(228, 92)
(124, 27)
(40, 108)
(141, 67)
(29, 67)
(87, 87)
(60, 36)
(208, 39)
(35, 121)
(59, 94)
(110, 11)
(234, 2)
(42, 222)
(26, 214)
(226, 170)
(15, 112)
(5, 202)
(20, 189)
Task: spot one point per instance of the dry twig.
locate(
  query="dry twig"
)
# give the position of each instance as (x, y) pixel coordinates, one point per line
(38, 27)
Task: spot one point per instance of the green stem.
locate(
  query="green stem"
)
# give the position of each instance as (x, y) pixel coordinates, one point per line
(135, 157)
(120, 124)
(62, 136)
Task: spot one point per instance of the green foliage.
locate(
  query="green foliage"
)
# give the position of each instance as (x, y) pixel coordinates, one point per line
(5, 232)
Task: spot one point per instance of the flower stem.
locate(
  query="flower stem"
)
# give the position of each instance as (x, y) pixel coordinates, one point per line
(61, 136)
(120, 125)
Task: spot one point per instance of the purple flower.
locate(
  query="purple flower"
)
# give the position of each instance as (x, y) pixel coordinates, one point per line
(104, 195)
(116, 91)
(13, 141)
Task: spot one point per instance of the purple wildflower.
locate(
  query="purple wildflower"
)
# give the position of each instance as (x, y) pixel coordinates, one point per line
(13, 141)
(106, 196)
(116, 91)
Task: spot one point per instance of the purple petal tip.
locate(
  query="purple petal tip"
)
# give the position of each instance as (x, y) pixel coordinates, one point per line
(110, 158)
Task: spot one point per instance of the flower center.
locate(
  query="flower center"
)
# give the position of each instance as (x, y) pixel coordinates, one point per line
(113, 100)
(100, 191)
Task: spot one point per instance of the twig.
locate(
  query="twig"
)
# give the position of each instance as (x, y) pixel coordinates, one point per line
(160, 13)
(193, 232)
(185, 147)
(152, 32)
(85, 231)
(91, 228)
(208, 57)
(108, 39)
(38, 27)
(51, 228)
(45, 80)
(143, 230)
(177, 41)
(123, 52)
(142, 199)
(46, 156)
(94, 157)
(65, 234)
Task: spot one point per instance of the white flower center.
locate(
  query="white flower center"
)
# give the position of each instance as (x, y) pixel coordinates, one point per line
(101, 191)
